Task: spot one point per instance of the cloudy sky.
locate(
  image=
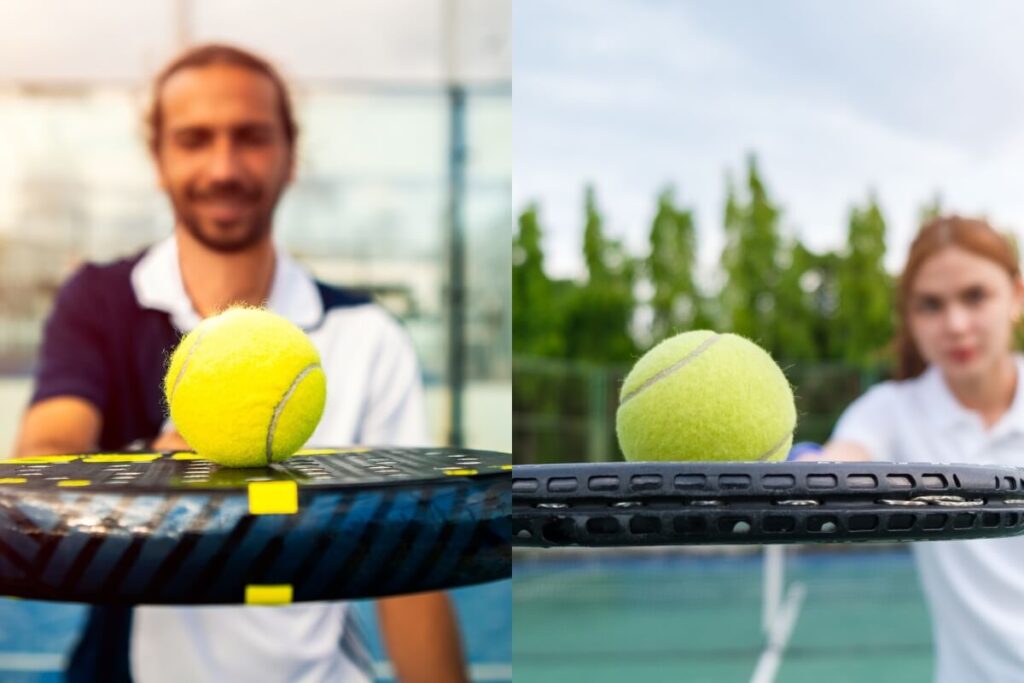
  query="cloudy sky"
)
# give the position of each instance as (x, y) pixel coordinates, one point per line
(837, 99)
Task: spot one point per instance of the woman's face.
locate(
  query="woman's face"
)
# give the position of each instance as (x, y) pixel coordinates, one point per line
(962, 311)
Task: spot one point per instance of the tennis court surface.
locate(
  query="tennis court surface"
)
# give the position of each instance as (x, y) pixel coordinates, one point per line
(597, 616)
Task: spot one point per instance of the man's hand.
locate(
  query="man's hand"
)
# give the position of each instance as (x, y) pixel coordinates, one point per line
(422, 638)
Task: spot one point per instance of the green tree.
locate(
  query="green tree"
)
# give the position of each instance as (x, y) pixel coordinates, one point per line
(751, 261)
(599, 313)
(798, 305)
(536, 316)
(595, 244)
(676, 302)
(863, 318)
(931, 209)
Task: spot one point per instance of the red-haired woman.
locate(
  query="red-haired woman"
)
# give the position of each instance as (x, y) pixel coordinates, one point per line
(958, 398)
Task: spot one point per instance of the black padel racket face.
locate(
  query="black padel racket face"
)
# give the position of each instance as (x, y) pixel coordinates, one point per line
(638, 504)
(170, 528)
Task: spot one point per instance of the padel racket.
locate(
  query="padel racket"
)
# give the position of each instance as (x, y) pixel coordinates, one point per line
(636, 504)
(170, 528)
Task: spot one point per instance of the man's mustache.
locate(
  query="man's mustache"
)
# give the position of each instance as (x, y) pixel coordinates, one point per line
(225, 191)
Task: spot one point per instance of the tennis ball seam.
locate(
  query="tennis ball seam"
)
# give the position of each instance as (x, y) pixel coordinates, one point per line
(279, 408)
(675, 367)
(782, 442)
(184, 365)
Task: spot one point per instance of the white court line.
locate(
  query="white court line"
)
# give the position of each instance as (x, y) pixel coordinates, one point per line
(778, 637)
(773, 585)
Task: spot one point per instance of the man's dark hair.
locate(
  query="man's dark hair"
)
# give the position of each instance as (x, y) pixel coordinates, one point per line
(209, 55)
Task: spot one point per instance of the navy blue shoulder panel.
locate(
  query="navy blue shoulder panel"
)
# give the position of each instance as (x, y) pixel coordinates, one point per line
(339, 297)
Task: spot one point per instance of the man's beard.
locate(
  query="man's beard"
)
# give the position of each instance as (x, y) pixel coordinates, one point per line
(234, 239)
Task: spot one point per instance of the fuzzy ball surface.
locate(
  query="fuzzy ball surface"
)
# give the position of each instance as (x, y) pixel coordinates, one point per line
(702, 395)
(245, 388)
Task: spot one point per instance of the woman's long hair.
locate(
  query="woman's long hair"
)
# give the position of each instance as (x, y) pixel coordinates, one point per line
(973, 235)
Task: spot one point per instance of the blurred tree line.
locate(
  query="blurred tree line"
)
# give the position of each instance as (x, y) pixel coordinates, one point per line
(826, 317)
(799, 305)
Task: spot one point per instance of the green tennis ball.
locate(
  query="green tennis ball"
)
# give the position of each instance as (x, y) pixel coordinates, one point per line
(706, 396)
(245, 388)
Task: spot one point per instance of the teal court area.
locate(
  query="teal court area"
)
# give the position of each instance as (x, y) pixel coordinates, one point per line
(35, 637)
(596, 616)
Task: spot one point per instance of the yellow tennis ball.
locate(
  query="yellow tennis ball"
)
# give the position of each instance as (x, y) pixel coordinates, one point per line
(245, 388)
(706, 396)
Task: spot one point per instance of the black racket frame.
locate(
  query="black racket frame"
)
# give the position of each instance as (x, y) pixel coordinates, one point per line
(703, 503)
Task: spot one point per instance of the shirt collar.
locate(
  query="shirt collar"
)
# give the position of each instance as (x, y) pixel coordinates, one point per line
(946, 412)
(157, 283)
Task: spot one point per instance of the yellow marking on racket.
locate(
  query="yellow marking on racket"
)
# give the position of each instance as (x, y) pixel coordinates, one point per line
(13, 480)
(186, 455)
(122, 457)
(506, 468)
(273, 498)
(460, 473)
(40, 460)
(73, 482)
(331, 451)
(269, 594)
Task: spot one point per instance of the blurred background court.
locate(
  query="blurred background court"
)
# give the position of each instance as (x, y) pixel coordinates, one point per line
(748, 167)
(403, 189)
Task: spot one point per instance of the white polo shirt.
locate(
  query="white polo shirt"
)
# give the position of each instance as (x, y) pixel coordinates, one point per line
(374, 397)
(974, 588)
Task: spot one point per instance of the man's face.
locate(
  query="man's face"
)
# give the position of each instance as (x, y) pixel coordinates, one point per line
(223, 155)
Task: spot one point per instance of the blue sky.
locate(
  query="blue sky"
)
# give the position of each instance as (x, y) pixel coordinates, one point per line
(837, 99)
